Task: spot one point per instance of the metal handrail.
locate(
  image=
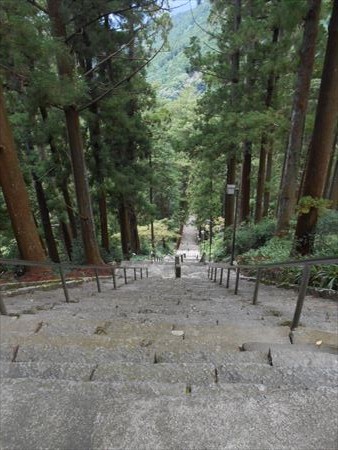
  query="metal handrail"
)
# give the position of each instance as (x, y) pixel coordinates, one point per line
(61, 267)
(296, 262)
(305, 263)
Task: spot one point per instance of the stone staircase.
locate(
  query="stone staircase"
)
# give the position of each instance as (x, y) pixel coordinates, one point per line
(166, 363)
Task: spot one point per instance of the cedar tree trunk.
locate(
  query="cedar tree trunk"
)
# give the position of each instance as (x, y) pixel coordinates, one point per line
(288, 193)
(16, 195)
(245, 184)
(45, 220)
(322, 139)
(66, 72)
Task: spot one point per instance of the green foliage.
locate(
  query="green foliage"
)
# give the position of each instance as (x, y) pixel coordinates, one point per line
(278, 249)
(325, 276)
(306, 203)
(165, 237)
(252, 236)
(169, 73)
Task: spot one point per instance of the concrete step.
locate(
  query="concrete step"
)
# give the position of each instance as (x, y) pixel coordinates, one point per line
(59, 351)
(193, 373)
(305, 377)
(74, 363)
(40, 414)
(158, 336)
(307, 355)
(168, 372)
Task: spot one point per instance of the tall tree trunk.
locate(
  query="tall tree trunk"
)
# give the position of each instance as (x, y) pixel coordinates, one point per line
(16, 195)
(261, 179)
(268, 175)
(66, 69)
(69, 208)
(104, 220)
(245, 183)
(288, 193)
(124, 229)
(63, 184)
(45, 220)
(322, 139)
(331, 168)
(135, 240)
(334, 187)
(231, 162)
(95, 136)
(230, 199)
(67, 238)
(265, 142)
(151, 200)
(81, 187)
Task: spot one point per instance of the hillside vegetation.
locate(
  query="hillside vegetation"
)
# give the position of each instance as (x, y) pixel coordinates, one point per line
(169, 72)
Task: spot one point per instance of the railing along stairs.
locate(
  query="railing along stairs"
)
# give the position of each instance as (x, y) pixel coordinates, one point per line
(61, 269)
(306, 264)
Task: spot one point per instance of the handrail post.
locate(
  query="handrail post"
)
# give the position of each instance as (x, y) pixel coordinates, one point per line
(301, 296)
(221, 276)
(212, 274)
(97, 281)
(237, 280)
(141, 272)
(3, 309)
(258, 280)
(125, 275)
(64, 285)
(228, 278)
(114, 278)
(135, 276)
(147, 272)
(215, 276)
(209, 271)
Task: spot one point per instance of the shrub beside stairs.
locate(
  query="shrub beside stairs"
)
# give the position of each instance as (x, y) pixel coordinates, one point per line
(163, 363)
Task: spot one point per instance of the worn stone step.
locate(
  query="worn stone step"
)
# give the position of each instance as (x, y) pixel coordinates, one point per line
(307, 355)
(310, 335)
(193, 373)
(182, 372)
(306, 377)
(40, 414)
(159, 336)
(266, 346)
(93, 352)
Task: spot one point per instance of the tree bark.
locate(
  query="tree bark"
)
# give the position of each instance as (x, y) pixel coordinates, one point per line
(268, 175)
(230, 199)
(95, 136)
(66, 69)
(334, 187)
(81, 187)
(265, 143)
(261, 179)
(16, 195)
(69, 208)
(124, 229)
(322, 139)
(331, 168)
(67, 238)
(135, 240)
(288, 194)
(245, 183)
(63, 184)
(45, 220)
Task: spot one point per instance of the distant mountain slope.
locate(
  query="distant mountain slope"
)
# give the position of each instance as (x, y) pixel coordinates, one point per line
(168, 71)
